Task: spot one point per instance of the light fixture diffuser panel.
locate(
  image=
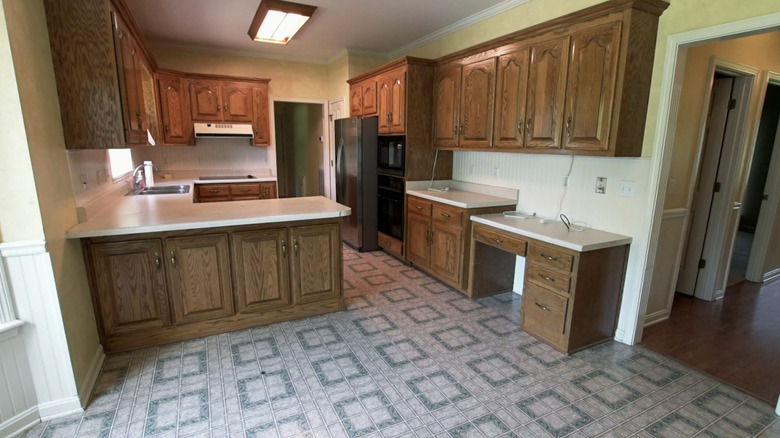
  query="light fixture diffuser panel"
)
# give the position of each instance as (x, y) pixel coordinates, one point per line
(278, 21)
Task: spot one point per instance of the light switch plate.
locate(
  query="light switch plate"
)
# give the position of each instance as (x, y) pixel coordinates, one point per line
(601, 184)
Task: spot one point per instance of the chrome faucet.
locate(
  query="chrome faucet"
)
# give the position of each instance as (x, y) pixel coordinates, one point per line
(138, 182)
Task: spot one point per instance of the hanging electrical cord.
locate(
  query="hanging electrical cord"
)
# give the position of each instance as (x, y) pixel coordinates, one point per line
(565, 187)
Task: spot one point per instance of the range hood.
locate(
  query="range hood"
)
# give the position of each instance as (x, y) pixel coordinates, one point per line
(224, 130)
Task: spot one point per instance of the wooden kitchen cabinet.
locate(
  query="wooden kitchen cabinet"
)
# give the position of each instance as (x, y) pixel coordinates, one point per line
(546, 93)
(436, 238)
(128, 284)
(363, 98)
(199, 278)
(261, 123)
(176, 122)
(205, 100)
(245, 191)
(128, 59)
(592, 75)
(464, 104)
(237, 102)
(164, 287)
(511, 90)
(391, 101)
(221, 101)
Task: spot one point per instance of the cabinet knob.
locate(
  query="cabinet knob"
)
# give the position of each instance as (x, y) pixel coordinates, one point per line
(173, 258)
(157, 262)
(498, 241)
(217, 108)
(284, 248)
(214, 191)
(568, 126)
(519, 128)
(295, 245)
(528, 127)
(227, 108)
(461, 129)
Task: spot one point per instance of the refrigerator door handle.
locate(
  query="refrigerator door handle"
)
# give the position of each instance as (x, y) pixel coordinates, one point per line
(340, 169)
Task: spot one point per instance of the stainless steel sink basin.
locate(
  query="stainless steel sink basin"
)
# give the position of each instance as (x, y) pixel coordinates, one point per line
(160, 190)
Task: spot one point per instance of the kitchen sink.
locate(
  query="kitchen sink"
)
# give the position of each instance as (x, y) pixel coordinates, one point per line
(160, 190)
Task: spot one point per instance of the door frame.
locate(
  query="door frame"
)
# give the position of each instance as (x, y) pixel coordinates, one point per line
(332, 142)
(672, 74)
(755, 267)
(326, 153)
(719, 239)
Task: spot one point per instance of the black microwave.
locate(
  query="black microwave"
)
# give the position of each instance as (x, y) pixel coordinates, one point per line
(391, 155)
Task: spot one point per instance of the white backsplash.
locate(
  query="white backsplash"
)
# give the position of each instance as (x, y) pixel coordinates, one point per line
(209, 154)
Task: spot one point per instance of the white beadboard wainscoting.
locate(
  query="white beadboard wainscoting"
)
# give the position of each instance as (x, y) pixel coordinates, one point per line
(665, 268)
(209, 154)
(42, 337)
(539, 179)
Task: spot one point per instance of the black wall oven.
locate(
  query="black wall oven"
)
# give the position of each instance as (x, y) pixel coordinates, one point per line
(390, 192)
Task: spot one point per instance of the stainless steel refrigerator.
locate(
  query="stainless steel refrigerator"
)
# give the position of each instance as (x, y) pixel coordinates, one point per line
(356, 160)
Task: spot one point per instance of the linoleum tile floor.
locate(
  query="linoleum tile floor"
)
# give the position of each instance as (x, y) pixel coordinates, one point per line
(408, 357)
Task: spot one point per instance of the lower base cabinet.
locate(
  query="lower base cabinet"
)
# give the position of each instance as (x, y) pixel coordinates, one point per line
(164, 287)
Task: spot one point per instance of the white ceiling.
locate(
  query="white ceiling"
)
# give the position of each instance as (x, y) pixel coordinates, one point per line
(371, 27)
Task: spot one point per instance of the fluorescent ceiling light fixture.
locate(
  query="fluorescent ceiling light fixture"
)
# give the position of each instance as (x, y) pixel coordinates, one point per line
(277, 21)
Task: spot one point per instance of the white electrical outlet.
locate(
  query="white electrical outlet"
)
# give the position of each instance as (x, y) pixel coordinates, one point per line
(601, 184)
(627, 188)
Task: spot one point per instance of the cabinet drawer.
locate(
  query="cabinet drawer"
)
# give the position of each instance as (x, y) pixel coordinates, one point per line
(547, 278)
(419, 206)
(245, 189)
(549, 257)
(544, 313)
(452, 216)
(391, 245)
(213, 190)
(504, 241)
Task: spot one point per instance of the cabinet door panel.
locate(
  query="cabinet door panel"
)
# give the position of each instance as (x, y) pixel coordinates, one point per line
(205, 101)
(237, 102)
(476, 105)
(177, 127)
(355, 102)
(368, 97)
(130, 88)
(417, 244)
(149, 107)
(591, 87)
(446, 101)
(398, 102)
(445, 251)
(199, 277)
(261, 116)
(546, 92)
(261, 269)
(268, 190)
(383, 104)
(316, 263)
(130, 285)
(511, 88)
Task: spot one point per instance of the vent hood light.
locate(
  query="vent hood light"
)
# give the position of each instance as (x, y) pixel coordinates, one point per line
(222, 130)
(277, 21)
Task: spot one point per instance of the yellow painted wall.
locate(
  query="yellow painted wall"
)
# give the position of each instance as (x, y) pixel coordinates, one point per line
(46, 145)
(20, 217)
(758, 51)
(338, 73)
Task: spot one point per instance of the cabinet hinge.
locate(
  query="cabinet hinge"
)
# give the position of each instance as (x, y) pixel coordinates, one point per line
(732, 103)
(716, 187)
(702, 263)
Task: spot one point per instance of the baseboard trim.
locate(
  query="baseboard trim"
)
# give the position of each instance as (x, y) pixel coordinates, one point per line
(92, 375)
(772, 275)
(656, 317)
(59, 408)
(20, 422)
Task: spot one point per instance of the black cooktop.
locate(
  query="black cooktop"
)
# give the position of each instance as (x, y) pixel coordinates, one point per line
(228, 177)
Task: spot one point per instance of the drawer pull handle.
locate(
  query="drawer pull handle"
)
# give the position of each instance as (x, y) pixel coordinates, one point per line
(550, 258)
(543, 307)
(295, 245)
(498, 241)
(551, 280)
(284, 248)
(157, 259)
(447, 215)
(419, 207)
(173, 258)
(214, 191)
(244, 190)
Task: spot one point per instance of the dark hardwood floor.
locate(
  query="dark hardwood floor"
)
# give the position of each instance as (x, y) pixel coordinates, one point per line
(736, 339)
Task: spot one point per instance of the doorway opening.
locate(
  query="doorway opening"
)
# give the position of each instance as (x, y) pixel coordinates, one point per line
(301, 153)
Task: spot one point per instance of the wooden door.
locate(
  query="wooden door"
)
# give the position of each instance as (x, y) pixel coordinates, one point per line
(316, 263)
(260, 266)
(476, 103)
(418, 229)
(237, 102)
(446, 251)
(129, 283)
(355, 100)
(368, 97)
(205, 103)
(130, 88)
(199, 277)
(268, 190)
(511, 88)
(446, 93)
(177, 126)
(383, 103)
(546, 93)
(398, 101)
(261, 121)
(591, 87)
(149, 102)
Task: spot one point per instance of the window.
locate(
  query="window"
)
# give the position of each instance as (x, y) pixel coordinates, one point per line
(121, 162)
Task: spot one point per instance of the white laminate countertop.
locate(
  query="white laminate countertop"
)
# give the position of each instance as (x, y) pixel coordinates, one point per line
(554, 232)
(464, 195)
(170, 212)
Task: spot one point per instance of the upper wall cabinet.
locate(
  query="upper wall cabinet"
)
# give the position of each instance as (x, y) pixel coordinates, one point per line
(362, 98)
(221, 101)
(578, 84)
(176, 123)
(391, 101)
